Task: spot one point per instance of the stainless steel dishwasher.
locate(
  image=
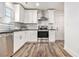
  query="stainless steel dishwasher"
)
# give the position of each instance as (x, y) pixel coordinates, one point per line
(6, 44)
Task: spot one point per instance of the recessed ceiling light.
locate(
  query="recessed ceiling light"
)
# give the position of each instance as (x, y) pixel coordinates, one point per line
(37, 4)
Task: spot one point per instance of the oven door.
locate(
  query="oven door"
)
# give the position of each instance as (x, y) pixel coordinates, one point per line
(43, 34)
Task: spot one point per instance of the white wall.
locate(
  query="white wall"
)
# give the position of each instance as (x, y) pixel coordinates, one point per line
(2, 10)
(11, 7)
(71, 24)
(4, 25)
(59, 23)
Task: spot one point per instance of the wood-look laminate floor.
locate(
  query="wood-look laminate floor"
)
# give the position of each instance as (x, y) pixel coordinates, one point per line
(42, 50)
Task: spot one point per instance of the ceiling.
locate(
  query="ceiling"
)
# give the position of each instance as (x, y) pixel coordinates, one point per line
(45, 5)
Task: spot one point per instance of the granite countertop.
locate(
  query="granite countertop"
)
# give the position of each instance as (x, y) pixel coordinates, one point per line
(6, 32)
(16, 30)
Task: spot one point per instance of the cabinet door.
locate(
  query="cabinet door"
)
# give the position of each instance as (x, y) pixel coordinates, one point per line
(17, 19)
(17, 41)
(21, 42)
(34, 16)
(23, 34)
(33, 36)
(19, 13)
(51, 16)
(27, 34)
(27, 17)
(51, 36)
(31, 16)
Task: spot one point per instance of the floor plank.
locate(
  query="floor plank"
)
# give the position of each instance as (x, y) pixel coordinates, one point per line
(43, 49)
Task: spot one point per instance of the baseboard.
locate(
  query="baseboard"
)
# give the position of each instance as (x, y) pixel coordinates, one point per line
(31, 42)
(73, 54)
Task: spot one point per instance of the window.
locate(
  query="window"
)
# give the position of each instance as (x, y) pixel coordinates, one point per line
(8, 15)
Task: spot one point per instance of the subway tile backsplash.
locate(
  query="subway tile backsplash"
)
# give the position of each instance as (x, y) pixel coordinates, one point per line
(26, 26)
(32, 26)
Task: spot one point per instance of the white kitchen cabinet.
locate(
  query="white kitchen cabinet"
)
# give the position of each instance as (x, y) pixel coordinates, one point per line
(22, 14)
(19, 40)
(27, 34)
(51, 16)
(16, 41)
(19, 13)
(23, 36)
(30, 16)
(31, 36)
(46, 14)
(51, 36)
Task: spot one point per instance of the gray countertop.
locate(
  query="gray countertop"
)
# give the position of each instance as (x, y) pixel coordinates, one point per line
(16, 30)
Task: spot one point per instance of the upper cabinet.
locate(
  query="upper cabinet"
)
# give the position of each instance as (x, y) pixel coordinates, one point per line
(30, 16)
(51, 16)
(6, 12)
(19, 13)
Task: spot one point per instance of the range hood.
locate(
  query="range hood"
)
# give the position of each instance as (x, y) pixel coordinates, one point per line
(43, 17)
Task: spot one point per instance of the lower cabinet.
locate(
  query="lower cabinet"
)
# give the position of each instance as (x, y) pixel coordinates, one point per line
(6, 44)
(31, 36)
(19, 40)
(21, 37)
(12, 42)
(51, 36)
(16, 41)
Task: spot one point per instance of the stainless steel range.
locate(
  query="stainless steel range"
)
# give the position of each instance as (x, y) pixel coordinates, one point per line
(43, 32)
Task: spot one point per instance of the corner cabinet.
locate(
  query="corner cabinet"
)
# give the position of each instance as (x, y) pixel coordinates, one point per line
(19, 40)
(51, 16)
(19, 13)
(30, 16)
